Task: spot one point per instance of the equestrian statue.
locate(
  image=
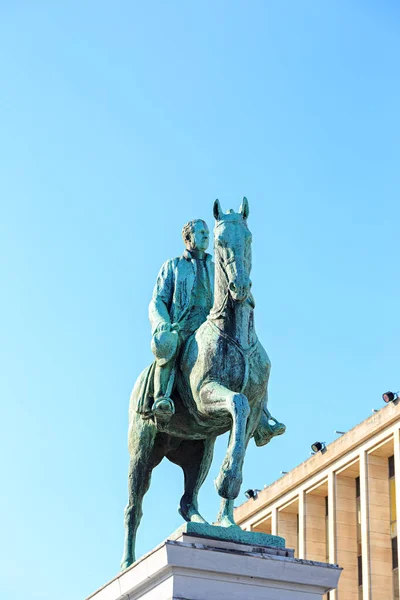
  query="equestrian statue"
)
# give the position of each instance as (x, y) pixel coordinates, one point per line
(209, 376)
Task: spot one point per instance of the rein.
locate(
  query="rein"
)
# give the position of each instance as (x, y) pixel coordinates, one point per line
(245, 353)
(216, 314)
(229, 338)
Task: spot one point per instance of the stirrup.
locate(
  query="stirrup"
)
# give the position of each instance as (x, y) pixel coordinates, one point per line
(263, 435)
(276, 429)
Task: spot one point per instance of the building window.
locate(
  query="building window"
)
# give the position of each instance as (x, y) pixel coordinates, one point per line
(359, 547)
(393, 527)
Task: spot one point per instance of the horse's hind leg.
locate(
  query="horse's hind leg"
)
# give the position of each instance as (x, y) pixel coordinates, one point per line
(145, 455)
(195, 458)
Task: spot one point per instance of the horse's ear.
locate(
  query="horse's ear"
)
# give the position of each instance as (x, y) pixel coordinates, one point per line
(217, 210)
(244, 208)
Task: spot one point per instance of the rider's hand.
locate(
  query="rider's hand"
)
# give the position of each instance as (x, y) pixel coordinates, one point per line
(175, 327)
(164, 327)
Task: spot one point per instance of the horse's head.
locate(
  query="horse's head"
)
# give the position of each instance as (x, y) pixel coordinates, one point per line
(232, 248)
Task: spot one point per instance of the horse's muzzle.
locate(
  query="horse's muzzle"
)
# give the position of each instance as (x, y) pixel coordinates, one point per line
(239, 293)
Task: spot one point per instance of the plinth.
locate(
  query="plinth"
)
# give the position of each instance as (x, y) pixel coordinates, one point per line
(191, 566)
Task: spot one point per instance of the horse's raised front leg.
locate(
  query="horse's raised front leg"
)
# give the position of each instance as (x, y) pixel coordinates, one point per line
(195, 458)
(217, 399)
(145, 455)
(225, 516)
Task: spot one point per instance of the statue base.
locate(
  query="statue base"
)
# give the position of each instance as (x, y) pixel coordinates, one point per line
(193, 565)
(229, 534)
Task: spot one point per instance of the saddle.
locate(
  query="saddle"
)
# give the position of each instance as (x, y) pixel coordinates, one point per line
(146, 391)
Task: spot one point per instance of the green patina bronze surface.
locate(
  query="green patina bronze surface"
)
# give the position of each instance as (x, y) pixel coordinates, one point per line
(229, 534)
(209, 376)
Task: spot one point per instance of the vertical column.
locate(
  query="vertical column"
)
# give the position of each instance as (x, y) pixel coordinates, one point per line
(346, 537)
(364, 526)
(332, 523)
(396, 452)
(380, 543)
(316, 528)
(274, 521)
(287, 527)
(302, 525)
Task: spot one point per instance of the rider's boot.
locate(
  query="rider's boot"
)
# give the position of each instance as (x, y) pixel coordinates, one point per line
(266, 430)
(163, 409)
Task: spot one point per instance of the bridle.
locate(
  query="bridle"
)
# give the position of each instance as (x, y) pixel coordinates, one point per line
(215, 314)
(223, 263)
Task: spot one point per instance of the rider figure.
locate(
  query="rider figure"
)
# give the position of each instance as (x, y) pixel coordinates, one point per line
(182, 299)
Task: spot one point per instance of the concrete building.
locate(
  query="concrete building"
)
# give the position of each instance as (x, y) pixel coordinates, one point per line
(340, 506)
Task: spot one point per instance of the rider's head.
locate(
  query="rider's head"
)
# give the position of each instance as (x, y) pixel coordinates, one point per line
(196, 235)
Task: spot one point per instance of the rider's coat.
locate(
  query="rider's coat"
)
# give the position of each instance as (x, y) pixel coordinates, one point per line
(173, 292)
(173, 297)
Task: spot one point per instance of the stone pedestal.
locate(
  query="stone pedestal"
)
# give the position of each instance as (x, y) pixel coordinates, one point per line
(189, 566)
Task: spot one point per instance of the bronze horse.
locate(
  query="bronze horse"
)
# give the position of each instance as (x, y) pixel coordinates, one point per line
(221, 386)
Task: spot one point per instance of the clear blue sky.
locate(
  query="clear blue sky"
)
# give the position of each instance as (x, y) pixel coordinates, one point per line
(119, 122)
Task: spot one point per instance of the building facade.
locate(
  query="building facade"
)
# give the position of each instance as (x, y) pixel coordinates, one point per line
(340, 506)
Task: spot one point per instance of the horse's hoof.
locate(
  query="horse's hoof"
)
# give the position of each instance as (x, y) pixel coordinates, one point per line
(126, 563)
(228, 485)
(227, 522)
(191, 515)
(197, 518)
